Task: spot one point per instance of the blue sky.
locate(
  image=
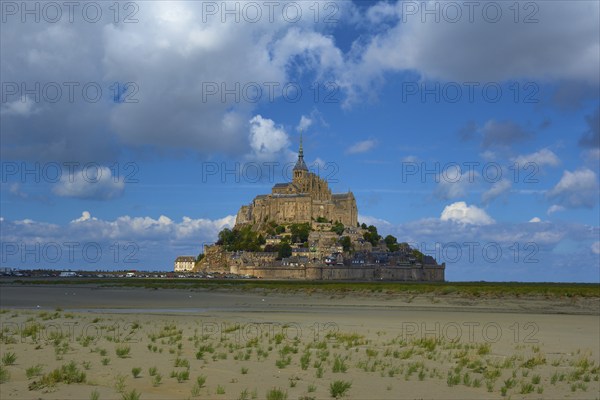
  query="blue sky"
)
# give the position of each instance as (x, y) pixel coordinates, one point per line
(133, 137)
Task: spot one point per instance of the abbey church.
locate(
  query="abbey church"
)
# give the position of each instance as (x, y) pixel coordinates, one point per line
(306, 199)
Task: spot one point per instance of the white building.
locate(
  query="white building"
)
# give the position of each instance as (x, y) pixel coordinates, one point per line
(185, 263)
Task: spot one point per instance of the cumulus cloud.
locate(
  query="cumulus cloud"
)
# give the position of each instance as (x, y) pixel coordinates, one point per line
(497, 189)
(85, 216)
(542, 157)
(462, 213)
(535, 220)
(203, 107)
(576, 189)
(596, 247)
(267, 140)
(460, 50)
(152, 243)
(96, 184)
(361, 147)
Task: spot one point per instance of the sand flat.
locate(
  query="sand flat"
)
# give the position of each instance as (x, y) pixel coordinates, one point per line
(247, 343)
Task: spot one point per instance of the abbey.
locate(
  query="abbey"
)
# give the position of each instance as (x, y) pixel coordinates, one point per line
(306, 199)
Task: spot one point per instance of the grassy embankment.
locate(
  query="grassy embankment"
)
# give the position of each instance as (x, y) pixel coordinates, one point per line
(474, 289)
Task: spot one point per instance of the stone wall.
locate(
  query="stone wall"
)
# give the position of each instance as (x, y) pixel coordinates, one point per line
(429, 273)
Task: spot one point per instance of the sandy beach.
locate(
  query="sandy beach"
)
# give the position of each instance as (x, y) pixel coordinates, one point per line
(222, 344)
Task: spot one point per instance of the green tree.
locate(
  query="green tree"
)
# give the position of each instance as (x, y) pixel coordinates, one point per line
(200, 257)
(346, 243)
(338, 228)
(300, 232)
(418, 255)
(285, 250)
(392, 243)
(371, 235)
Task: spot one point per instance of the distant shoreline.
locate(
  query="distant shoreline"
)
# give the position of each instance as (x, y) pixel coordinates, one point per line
(298, 297)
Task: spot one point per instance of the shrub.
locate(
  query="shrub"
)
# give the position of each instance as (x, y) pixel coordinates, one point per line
(4, 374)
(276, 394)
(133, 395)
(34, 371)
(123, 351)
(339, 365)
(9, 358)
(135, 371)
(183, 376)
(68, 374)
(339, 388)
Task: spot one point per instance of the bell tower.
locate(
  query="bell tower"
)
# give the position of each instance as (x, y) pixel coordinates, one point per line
(300, 169)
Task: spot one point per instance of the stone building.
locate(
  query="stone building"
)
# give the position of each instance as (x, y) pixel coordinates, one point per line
(305, 199)
(185, 263)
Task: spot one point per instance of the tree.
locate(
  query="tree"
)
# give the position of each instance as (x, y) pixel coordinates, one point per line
(338, 228)
(371, 235)
(392, 243)
(418, 255)
(285, 250)
(300, 232)
(346, 243)
(364, 226)
(242, 239)
(279, 229)
(200, 257)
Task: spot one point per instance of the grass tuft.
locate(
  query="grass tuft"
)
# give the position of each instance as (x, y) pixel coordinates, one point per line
(339, 388)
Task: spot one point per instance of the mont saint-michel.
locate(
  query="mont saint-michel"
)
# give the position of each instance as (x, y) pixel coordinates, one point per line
(301, 230)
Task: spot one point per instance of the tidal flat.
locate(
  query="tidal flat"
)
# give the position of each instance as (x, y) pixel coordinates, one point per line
(91, 341)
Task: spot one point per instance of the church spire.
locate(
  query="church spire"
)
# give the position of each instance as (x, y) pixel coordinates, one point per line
(300, 164)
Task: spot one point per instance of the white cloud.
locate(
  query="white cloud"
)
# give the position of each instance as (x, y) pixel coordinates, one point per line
(92, 183)
(361, 147)
(488, 155)
(15, 190)
(462, 213)
(85, 216)
(535, 220)
(460, 50)
(378, 222)
(19, 108)
(542, 157)
(497, 189)
(554, 208)
(453, 183)
(596, 247)
(204, 107)
(304, 124)
(266, 139)
(154, 242)
(410, 159)
(576, 189)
